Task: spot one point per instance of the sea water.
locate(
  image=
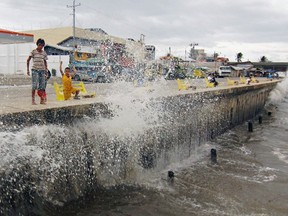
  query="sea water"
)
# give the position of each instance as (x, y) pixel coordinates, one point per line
(249, 178)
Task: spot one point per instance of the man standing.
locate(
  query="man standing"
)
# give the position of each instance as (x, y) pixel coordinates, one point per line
(38, 70)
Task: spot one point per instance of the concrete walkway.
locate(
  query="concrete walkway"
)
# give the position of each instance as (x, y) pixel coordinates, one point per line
(17, 99)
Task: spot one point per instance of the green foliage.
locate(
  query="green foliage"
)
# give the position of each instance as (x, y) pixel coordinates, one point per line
(263, 59)
(239, 57)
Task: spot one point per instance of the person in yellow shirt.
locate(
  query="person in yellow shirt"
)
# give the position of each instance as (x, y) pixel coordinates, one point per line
(68, 88)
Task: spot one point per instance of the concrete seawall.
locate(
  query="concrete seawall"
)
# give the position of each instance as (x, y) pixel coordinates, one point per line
(57, 112)
(58, 115)
(81, 156)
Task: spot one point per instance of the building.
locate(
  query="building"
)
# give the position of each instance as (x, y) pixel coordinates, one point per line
(14, 48)
(150, 52)
(274, 66)
(60, 42)
(197, 54)
(92, 40)
(280, 67)
(11, 37)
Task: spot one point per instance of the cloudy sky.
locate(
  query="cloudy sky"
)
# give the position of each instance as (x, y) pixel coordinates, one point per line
(254, 27)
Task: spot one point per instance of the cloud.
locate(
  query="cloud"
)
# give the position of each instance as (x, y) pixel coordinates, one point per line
(223, 26)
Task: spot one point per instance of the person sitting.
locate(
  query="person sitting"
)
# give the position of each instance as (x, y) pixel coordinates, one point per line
(248, 80)
(270, 76)
(211, 79)
(68, 88)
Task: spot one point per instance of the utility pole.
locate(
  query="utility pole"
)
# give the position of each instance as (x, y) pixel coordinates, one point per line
(192, 51)
(215, 55)
(142, 38)
(73, 6)
(192, 45)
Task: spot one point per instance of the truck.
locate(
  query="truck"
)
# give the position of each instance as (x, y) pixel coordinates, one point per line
(89, 66)
(224, 71)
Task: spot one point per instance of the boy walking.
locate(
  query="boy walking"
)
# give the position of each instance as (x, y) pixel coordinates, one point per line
(68, 89)
(39, 68)
(43, 94)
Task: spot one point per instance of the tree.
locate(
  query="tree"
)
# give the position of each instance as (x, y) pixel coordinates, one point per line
(239, 57)
(263, 59)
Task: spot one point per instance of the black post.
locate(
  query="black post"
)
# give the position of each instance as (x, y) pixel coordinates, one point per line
(250, 126)
(213, 155)
(260, 119)
(170, 174)
(170, 177)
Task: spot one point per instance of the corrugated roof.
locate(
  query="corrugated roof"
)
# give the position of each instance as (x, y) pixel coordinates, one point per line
(270, 64)
(7, 36)
(54, 36)
(60, 47)
(259, 63)
(237, 68)
(4, 31)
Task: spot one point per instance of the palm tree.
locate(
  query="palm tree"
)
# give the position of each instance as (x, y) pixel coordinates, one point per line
(239, 57)
(263, 59)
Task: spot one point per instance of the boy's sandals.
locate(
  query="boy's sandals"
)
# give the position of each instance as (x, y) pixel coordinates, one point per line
(77, 98)
(34, 103)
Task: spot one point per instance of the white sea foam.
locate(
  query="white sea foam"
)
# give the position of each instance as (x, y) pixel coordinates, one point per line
(132, 112)
(245, 150)
(12, 145)
(279, 93)
(281, 154)
(157, 177)
(26, 145)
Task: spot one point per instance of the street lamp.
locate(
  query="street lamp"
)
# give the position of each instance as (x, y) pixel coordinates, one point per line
(192, 51)
(186, 53)
(193, 45)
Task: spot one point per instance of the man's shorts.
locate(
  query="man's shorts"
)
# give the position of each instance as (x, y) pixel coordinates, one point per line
(38, 79)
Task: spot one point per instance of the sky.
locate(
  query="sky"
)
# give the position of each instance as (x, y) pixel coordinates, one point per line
(255, 28)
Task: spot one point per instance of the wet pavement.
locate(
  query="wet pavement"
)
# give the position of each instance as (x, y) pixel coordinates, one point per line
(17, 98)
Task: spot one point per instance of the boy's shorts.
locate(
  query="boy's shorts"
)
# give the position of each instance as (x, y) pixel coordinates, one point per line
(38, 79)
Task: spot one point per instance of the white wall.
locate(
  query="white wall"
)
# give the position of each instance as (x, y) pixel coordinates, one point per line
(137, 49)
(13, 59)
(54, 62)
